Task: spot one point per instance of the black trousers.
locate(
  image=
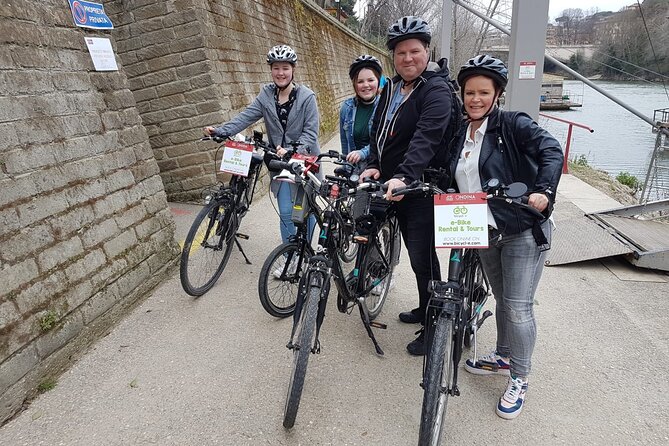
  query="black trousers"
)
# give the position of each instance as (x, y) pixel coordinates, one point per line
(416, 220)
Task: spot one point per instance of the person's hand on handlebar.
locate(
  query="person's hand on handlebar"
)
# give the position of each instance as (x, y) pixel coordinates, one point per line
(281, 151)
(394, 183)
(209, 131)
(538, 201)
(372, 173)
(354, 157)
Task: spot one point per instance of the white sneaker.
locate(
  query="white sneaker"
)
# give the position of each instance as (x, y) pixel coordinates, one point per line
(511, 403)
(488, 364)
(291, 268)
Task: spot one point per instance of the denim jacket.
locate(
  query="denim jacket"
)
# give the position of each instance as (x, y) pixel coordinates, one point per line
(346, 125)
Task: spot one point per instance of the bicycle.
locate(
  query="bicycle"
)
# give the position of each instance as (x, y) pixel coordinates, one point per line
(374, 265)
(454, 316)
(209, 242)
(283, 268)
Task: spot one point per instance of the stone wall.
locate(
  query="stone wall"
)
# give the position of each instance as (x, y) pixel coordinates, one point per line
(192, 63)
(84, 225)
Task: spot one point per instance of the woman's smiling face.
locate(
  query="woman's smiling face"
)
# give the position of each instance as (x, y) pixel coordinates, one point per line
(366, 84)
(480, 95)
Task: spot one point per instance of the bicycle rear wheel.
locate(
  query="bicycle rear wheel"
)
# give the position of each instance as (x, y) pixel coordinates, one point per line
(207, 248)
(305, 335)
(437, 383)
(279, 278)
(380, 265)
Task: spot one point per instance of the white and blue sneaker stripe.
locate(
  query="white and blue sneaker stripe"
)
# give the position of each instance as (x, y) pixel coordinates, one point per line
(511, 403)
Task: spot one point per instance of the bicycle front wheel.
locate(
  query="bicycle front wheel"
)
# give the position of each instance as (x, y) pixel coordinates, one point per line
(380, 266)
(305, 334)
(437, 383)
(206, 249)
(279, 278)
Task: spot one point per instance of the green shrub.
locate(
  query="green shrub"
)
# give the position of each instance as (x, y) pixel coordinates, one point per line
(48, 320)
(581, 160)
(628, 179)
(46, 385)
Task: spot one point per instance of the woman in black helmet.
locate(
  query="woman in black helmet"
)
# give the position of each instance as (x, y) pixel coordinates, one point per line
(510, 147)
(290, 114)
(355, 116)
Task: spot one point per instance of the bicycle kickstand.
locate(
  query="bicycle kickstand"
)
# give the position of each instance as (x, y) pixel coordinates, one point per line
(365, 321)
(239, 246)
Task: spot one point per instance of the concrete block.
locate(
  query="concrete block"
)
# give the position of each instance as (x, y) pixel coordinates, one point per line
(29, 158)
(60, 253)
(72, 81)
(152, 10)
(12, 277)
(41, 207)
(15, 368)
(85, 266)
(9, 221)
(87, 168)
(58, 336)
(28, 241)
(131, 216)
(75, 296)
(73, 221)
(118, 100)
(144, 170)
(143, 151)
(99, 232)
(9, 136)
(12, 399)
(180, 17)
(24, 82)
(109, 274)
(186, 44)
(130, 137)
(38, 294)
(111, 120)
(153, 51)
(145, 94)
(98, 304)
(159, 78)
(49, 179)
(16, 189)
(120, 243)
(8, 315)
(196, 55)
(175, 87)
(185, 111)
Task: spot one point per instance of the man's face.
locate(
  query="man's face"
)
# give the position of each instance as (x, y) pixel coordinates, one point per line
(410, 58)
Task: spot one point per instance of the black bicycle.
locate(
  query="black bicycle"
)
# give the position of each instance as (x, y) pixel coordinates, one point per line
(281, 272)
(454, 316)
(375, 236)
(212, 235)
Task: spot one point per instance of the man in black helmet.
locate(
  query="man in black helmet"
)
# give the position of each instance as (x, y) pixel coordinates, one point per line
(410, 132)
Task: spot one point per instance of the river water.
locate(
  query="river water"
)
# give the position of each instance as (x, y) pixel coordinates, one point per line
(621, 141)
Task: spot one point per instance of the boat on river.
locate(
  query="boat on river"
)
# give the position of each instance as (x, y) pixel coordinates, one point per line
(554, 97)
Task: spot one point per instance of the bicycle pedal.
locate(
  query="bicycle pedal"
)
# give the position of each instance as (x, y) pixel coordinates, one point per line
(244, 236)
(487, 365)
(380, 325)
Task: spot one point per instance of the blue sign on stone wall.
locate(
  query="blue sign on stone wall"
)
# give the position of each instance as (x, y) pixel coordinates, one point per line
(90, 15)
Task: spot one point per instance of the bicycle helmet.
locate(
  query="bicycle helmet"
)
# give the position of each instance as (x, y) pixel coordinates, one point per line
(484, 65)
(408, 27)
(281, 53)
(365, 61)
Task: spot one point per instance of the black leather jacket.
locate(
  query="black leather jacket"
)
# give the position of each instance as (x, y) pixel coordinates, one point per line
(515, 149)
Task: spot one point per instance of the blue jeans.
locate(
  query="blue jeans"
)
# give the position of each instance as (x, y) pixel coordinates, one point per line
(285, 197)
(514, 265)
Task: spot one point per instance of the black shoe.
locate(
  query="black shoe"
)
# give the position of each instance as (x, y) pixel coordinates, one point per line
(411, 317)
(418, 347)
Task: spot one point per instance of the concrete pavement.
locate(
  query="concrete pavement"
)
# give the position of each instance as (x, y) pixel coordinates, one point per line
(214, 370)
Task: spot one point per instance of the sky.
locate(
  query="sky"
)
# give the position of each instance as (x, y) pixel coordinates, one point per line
(557, 6)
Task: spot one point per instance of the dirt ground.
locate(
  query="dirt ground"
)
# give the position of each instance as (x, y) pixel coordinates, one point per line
(603, 182)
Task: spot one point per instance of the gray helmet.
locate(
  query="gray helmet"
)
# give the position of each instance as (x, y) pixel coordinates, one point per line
(365, 61)
(484, 65)
(408, 27)
(281, 53)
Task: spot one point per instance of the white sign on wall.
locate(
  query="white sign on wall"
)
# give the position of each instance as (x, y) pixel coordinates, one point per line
(102, 53)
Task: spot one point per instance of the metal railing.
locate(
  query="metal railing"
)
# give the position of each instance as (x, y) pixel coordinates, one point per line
(572, 124)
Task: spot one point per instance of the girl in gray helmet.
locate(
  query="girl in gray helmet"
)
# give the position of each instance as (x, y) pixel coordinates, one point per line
(290, 114)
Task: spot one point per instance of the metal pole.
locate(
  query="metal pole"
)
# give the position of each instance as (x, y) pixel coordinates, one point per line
(446, 28)
(578, 76)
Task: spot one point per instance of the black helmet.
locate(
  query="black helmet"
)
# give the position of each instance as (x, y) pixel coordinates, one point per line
(408, 27)
(281, 53)
(484, 65)
(365, 61)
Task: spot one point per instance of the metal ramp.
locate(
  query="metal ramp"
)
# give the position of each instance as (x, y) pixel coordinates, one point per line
(644, 242)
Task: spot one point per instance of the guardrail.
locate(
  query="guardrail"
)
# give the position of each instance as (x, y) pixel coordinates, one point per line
(572, 124)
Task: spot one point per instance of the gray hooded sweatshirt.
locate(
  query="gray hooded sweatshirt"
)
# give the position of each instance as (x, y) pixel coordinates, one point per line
(303, 121)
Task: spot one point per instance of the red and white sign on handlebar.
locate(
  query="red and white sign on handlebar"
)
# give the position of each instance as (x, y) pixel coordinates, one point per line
(461, 220)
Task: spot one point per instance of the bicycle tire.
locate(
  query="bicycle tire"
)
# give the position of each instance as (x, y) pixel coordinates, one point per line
(278, 296)
(305, 335)
(438, 376)
(476, 289)
(374, 302)
(202, 261)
